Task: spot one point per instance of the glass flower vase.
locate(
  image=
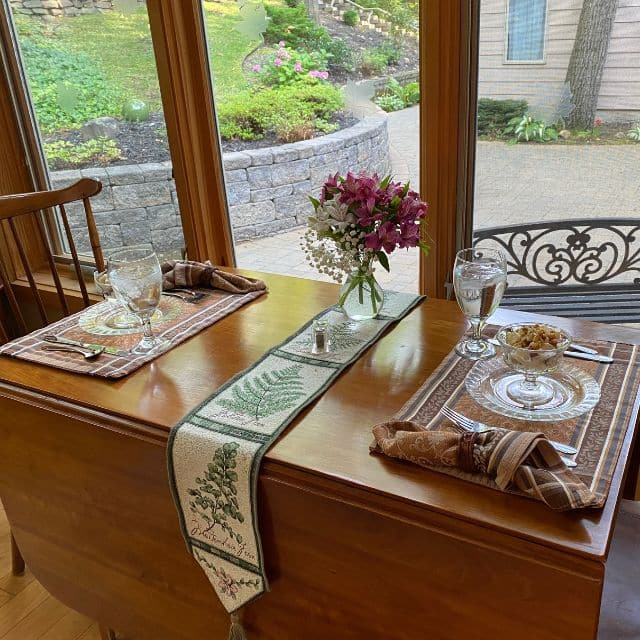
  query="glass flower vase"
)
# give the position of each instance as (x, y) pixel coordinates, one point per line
(361, 297)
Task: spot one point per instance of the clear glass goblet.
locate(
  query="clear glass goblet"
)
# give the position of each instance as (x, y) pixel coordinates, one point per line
(134, 273)
(479, 280)
(119, 317)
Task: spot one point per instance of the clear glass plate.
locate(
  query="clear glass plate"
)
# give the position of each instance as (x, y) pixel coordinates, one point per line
(95, 319)
(574, 391)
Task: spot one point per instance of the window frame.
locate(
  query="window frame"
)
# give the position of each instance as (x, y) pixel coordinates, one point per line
(448, 35)
(545, 23)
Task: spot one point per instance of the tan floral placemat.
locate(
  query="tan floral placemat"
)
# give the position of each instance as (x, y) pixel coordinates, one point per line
(598, 435)
(180, 320)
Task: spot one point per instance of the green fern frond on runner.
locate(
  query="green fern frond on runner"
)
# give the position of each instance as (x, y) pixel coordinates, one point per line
(343, 336)
(267, 393)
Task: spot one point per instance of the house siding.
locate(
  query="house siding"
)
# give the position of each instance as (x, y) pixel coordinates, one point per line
(619, 98)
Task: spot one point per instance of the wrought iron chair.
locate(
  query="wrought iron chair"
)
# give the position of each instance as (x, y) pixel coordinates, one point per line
(36, 211)
(587, 268)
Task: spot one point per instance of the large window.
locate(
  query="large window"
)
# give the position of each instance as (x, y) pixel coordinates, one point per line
(91, 74)
(238, 177)
(526, 26)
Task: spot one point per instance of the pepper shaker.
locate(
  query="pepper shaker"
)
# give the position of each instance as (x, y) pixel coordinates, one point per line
(320, 342)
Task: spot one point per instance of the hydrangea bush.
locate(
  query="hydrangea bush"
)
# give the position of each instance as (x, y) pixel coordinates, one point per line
(288, 66)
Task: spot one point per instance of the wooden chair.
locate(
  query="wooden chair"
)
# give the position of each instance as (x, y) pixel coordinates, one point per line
(34, 211)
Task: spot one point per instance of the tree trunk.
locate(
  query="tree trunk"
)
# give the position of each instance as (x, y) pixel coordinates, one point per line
(589, 54)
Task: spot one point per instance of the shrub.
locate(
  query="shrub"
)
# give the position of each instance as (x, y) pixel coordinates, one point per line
(390, 103)
(634, 133)
(63, 154)
(390, 51)
(351, 17)
(293, 26)
(395, 96)
(293, 3)
(67, 88)
(531, 130)
(494, 116)
(289, 66)
(286, 111)
(373, 62)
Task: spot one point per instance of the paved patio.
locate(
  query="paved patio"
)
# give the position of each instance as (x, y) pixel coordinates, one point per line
(514, 184)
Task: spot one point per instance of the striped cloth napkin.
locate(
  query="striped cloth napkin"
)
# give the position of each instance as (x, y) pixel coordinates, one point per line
(185, 273)
(516, 461)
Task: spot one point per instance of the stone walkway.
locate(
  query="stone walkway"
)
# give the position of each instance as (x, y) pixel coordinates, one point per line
(514, 184)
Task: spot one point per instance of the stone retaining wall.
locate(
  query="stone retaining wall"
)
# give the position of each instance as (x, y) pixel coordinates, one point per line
(57, 8)
(267, 189)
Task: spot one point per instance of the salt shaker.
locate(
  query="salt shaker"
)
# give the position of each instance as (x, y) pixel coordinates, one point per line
(320, 342)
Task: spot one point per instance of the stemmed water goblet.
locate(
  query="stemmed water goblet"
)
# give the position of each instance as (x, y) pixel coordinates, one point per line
(119, 317)
(479, 280)
(134, 273)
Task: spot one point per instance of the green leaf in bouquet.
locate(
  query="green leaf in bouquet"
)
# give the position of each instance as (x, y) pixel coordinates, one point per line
(315, 202)
(383, 259)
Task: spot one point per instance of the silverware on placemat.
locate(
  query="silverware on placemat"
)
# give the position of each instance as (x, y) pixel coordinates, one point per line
(89, 354)
(100, 348)
(191, 297)
(473, 425)
(578, 351)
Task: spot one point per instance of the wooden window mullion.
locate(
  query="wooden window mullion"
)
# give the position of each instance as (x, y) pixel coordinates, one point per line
(185, 84)
(448, 75)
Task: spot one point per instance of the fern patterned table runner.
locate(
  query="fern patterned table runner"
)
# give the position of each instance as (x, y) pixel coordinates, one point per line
(214, 454)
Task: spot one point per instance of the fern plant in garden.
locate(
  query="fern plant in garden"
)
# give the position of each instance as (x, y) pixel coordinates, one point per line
(265, 394)
(215, 498)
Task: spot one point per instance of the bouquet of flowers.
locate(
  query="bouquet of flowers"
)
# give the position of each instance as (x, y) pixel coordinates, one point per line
(358, 221)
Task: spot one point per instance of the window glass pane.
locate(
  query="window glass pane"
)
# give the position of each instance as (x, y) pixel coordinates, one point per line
(92, 77)
(552, 153)
(526, 30)
(300, 91)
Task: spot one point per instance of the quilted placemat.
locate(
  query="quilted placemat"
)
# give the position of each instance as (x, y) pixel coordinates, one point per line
(179, 320)
(597, 435)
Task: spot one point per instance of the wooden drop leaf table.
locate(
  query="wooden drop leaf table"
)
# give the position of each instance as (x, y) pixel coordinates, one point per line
(357, 546)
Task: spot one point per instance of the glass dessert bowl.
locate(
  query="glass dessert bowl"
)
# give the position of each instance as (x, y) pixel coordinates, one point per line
(534, 351)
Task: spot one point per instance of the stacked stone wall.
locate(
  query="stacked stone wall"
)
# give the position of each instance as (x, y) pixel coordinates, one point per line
(267, 189)
(58, 8)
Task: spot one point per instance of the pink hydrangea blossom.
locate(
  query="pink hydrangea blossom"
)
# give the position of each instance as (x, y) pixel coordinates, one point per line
(257, 68)
(277, 62)
(281, 43)
(297, 67)
(324, 75)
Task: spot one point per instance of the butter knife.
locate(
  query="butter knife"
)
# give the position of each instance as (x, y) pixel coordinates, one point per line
(85, 345)
(589, 356)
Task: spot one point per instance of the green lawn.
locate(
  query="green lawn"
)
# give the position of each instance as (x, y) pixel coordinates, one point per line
(111, 55)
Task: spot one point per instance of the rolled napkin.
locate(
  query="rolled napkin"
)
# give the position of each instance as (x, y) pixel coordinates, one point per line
(185, 273)
(514, 460)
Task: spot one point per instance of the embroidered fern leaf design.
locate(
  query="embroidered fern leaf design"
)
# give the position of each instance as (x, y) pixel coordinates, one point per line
(214, 500)
(267, 393)
(344, 337)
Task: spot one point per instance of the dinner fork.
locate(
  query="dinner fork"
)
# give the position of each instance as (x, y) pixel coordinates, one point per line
(185, 298)
(473, 425)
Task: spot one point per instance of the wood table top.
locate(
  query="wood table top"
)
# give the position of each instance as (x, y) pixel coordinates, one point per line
(330, 440)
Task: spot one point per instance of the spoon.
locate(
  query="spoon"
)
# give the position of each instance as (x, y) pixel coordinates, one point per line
(89, 354)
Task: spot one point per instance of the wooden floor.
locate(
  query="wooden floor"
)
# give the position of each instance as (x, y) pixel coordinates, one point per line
(28, 612)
